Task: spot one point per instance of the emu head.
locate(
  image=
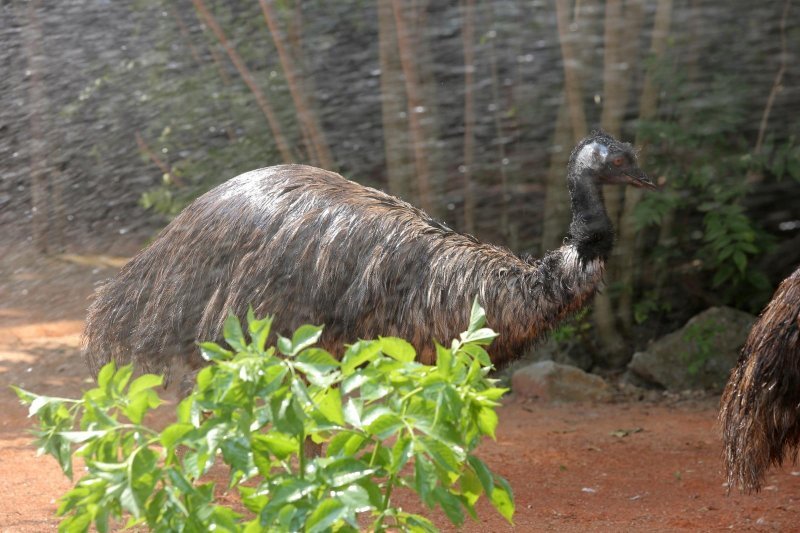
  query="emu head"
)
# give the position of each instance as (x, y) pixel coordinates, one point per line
(608, 161)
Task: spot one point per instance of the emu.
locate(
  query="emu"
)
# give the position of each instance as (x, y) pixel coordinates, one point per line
(312, 247)
(760, 407)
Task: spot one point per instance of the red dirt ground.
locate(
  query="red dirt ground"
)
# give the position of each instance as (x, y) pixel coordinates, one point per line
(625, 466)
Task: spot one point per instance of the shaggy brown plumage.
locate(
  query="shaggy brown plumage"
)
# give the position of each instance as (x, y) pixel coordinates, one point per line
(760, 408)
(312, 247)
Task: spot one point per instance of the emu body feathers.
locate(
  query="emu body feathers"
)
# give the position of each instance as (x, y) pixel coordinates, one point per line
(312, 247)
(760, 408)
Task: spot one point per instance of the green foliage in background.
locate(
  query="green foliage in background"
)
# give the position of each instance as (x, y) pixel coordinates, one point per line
(698, 147)
(702, 336)
(386, 423)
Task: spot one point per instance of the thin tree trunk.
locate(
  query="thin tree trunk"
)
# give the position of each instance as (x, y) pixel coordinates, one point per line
(393, 105)
(621, 38)
(415, 108)
(648, 107)
(468, 42)
(38, 145)
(570, 122)
(572, 82)
(776, 86)
(244, 72)
(306, 116)
(622, 26)
(501, 144)
(556, 206)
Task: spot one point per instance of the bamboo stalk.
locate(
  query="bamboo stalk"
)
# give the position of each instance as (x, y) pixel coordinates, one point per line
(648, 107)
(395, 130)
(38, 146)
(304, 113)
(776, 85)
(247, 77)
(572, 82)
(468, 43)
(415, 108)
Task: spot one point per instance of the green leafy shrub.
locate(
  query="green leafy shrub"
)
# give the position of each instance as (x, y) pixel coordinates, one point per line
(699, 221)
(702, 337)
(386, 422)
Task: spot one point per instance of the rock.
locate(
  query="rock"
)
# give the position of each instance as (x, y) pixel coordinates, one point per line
(700, 355)
(556, 382)
(571, 352)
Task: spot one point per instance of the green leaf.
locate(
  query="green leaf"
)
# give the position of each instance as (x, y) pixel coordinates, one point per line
(471, 486)
(258, 329)
(418, 523)
(449, 504)
(483, 473)
(139, 404)
(286, 414)
(327, 513)
(173, 433)
(358, 354)
(352, 412)
(487, 421)
(278, 444)
(82, 436)
(398, 349)
(503, 500)
(401, 453)
(304, 337)
(493, 394)
(232, 332)
(741, 260)
(318, 366)
(345, 443)
(236, 452)
(146, 381)
(284, 345)
(444, 360)
(478, 353)
(385, 425)
(329, 403)
(345, 471)
(482, 336)
(424, 478)
(355, 497)
(105, 374)
(477, 316)
(289, 491)
(214, 352)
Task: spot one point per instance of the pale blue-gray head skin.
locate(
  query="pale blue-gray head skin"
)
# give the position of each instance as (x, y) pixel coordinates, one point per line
(597, 160)
(607, 161)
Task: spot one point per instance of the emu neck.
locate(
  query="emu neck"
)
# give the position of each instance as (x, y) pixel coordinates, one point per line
(590, 231)
(586, 197)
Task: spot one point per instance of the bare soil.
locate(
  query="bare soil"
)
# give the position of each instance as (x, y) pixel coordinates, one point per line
(631, 465)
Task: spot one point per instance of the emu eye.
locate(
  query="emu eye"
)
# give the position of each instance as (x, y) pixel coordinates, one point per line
(617, 162)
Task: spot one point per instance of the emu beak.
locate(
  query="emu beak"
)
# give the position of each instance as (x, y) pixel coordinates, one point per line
(640, 180)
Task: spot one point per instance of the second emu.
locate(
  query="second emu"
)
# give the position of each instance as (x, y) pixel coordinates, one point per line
(310, 246)
(760, 408)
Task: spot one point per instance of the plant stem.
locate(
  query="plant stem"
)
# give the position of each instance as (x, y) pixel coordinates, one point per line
(387, 496)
